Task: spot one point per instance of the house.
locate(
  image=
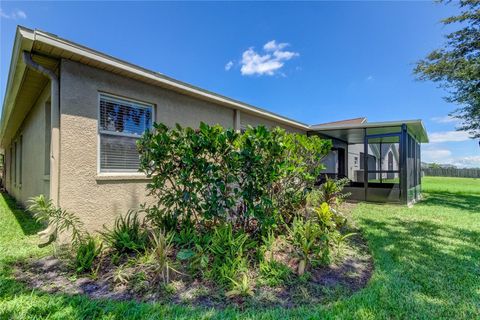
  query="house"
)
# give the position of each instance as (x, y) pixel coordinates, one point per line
(71, 117)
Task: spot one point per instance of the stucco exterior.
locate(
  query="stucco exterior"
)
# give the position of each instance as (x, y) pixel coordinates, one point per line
(30, 137)
(253, 120)
(99, 197)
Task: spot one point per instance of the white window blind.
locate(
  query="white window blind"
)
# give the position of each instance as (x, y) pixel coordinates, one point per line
(121, 124)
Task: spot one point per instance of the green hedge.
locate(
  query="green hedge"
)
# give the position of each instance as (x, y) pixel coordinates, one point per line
(253, 180)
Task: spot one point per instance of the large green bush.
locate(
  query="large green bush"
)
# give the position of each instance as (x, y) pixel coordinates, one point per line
(209, 176)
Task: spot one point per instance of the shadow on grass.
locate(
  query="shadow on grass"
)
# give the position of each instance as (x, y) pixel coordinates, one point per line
(436, 260)
(25, 220)
(455, 200)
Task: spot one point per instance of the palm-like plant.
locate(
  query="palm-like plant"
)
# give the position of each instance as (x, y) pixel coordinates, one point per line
(58, 220)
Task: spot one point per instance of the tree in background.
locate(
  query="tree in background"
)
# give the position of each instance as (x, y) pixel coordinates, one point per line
(456, 66)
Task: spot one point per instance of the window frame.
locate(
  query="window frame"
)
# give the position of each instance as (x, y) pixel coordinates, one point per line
(100, 132)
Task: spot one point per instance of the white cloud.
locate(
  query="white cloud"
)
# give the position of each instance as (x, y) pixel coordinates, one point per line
(445, 119)
(229, 65)
(445, 156)
(269, 63)
(467, 162)
(449, 136)
(436, 155)
(273, 46)
(14, 15)
(369, 78)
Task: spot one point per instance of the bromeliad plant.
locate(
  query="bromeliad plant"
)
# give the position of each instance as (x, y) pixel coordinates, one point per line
(88, 250)
(229, 253)
(313, 235)
(127, 234)
(330, 192)
(306, 237)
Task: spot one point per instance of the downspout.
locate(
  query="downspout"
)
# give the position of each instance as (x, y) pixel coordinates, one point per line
(55, 125)
(237, 124)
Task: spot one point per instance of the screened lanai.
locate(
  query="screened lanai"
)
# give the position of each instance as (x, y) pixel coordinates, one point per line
(381, 159)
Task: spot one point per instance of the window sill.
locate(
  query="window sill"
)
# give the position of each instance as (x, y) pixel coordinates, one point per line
(121, 177)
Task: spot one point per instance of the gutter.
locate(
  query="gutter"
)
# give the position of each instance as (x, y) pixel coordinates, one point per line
(55, 124)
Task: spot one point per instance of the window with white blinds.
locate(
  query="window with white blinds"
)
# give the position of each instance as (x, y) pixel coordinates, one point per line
(121, 124)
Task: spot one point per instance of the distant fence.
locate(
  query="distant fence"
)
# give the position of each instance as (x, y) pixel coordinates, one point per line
(452, 172)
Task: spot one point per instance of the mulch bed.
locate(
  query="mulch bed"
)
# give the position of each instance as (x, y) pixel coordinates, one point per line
(325, 284)
(53, 275)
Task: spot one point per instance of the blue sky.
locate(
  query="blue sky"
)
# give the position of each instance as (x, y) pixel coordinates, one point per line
(314, 62)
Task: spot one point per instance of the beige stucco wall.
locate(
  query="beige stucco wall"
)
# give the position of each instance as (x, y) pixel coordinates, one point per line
(253, 120)
(32, 130)
(95, 198)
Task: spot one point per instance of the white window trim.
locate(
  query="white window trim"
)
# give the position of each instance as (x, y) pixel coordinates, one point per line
(123, 173)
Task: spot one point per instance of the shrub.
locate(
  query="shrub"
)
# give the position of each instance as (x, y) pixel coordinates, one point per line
(200, 260)
(242, 287)
(273, 273)
(229, 253)
(331, 192)
(305, 236)
(161, 218)
(261, 161)
(198, 256)
(186, 237)
(86, 253)
(162, 247)
(312, 235)
(191, 171)
(60, 220)
(212, 176)
(302, 157)
(266, 248)
(127, 234)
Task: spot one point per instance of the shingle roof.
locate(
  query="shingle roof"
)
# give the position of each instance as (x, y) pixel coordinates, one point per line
(342, 122)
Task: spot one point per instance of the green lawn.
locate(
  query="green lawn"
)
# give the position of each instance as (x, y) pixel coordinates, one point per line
(427, 266)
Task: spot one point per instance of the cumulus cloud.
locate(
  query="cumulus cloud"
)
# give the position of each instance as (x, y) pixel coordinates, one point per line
(437, 155)
(449, 136)
(445, 119)
(229, 65)
(274, 46)
(467, 162)
(14, 15)
(268, 62)
(445, 156)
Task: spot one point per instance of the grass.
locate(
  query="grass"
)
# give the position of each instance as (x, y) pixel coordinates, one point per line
(427, 266)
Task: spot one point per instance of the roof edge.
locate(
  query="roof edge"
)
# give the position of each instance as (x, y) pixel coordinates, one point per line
(342, 122)
(374, 125)
(24, 38)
